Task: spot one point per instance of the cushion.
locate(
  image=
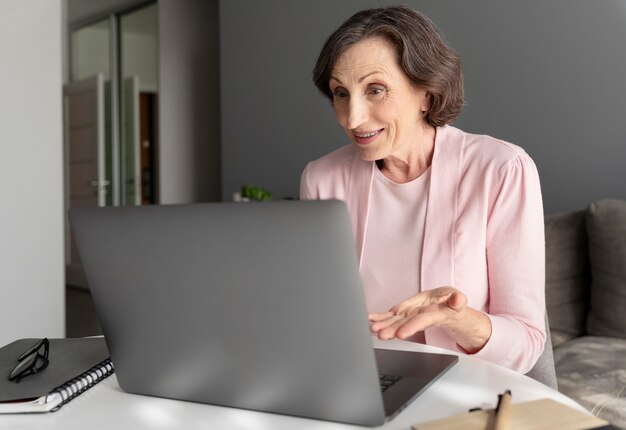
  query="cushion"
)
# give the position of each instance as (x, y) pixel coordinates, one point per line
(591, 370)
(567, 275)
(606, 227)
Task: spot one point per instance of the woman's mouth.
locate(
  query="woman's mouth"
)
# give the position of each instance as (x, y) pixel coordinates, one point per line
(366, 137)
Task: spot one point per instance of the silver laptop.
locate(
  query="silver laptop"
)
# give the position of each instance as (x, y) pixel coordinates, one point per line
(247, 305)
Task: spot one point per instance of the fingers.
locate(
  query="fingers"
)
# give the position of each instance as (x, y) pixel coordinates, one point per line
(402, 325)
(379, 316)
(424, 298)
(399, 327)
(413, 320)
(386, 329)
(457, 301)
(428, 316)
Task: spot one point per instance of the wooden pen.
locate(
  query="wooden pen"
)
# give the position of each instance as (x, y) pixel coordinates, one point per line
(503, 411)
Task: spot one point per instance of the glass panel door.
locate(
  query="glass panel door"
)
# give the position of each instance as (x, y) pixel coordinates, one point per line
(123, 48)
(91, 57)
(139, 66)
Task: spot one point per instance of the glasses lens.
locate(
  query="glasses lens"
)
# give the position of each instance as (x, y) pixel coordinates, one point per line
(32, 361)
(32, 349)
(46, 346)
(23, 367)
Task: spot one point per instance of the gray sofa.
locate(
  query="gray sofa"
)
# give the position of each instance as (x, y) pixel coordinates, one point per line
(586, 301)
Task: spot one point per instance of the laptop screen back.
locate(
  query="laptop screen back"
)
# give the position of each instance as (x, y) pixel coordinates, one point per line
(250, 305)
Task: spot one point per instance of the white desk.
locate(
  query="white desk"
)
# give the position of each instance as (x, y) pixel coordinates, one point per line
(470, 383)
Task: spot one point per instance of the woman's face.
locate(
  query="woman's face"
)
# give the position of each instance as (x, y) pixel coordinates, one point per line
(375, 102)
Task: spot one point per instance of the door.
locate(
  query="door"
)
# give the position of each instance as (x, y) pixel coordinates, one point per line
(131, 155)
(85, 180)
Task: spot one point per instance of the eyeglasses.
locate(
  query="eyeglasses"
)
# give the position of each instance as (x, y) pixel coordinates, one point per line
(31, 361)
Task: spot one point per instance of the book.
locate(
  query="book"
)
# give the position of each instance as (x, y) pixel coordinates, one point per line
(544, 414)
(74, 366)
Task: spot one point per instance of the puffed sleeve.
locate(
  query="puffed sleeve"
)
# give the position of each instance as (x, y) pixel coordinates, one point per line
(516, 267)
(306, 192)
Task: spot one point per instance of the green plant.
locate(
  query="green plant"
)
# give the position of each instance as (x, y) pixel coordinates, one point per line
(255, 193)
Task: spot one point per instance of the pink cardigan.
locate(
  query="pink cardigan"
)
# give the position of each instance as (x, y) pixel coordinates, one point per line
(484, 233)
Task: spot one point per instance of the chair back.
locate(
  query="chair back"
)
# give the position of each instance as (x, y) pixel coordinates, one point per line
(544, 370)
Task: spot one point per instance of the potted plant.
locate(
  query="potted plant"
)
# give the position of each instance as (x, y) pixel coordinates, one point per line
(250, 193)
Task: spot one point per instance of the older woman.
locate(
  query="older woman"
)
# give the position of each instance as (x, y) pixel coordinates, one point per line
(448, 225)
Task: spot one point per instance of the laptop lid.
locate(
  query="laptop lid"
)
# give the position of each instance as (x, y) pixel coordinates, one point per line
(249, 305)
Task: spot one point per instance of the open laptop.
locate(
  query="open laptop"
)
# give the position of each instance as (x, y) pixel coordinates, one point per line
(248, 305)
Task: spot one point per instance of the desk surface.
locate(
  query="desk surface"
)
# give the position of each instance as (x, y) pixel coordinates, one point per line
(470, 383)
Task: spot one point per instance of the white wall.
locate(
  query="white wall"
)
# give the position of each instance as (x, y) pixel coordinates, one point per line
(32, 290)
(189, 137)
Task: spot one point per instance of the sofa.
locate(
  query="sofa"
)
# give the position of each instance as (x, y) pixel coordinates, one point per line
(586, 303)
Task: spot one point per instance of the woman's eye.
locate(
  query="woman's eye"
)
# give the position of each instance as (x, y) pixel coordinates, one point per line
(339, 93)
(376, 91)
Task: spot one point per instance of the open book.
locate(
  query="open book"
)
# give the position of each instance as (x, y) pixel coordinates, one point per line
(75, 365)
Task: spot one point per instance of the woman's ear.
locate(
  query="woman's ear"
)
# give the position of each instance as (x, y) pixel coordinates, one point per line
(426, 102)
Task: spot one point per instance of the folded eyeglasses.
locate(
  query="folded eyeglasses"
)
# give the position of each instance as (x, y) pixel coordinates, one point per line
(32, 361)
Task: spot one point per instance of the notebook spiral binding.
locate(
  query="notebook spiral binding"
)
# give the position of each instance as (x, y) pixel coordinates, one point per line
(76, 386)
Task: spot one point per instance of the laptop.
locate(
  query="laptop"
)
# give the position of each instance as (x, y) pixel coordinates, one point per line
(247, 305)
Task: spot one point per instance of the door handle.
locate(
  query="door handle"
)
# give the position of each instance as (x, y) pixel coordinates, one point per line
(95, 183)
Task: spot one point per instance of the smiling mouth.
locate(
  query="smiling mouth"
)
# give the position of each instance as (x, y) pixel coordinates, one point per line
(366, 137)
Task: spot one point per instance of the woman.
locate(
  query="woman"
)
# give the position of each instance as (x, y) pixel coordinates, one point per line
(448, 225)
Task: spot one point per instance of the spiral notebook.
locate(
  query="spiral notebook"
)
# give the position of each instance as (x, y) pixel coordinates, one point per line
(75, 365)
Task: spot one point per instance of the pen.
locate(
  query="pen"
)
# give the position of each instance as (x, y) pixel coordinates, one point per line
(502, 411)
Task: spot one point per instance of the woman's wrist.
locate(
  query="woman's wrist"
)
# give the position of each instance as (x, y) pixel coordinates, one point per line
(470, 329)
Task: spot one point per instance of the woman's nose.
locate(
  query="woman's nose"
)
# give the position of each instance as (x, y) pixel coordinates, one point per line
(357, 113)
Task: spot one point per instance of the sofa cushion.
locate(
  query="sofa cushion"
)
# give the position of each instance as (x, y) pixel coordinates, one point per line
(567, 275)
(591, 371)
(606, 227)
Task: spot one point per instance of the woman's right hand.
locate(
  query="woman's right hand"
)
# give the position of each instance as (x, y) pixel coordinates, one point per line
(445, 307)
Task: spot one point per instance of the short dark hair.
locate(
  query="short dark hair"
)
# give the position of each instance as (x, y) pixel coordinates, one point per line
(423, 55)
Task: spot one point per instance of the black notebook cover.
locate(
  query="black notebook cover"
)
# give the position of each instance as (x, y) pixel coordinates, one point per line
(68, 359)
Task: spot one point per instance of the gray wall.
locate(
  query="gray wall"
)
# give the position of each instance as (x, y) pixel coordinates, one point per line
(546, 75)
(189, 139)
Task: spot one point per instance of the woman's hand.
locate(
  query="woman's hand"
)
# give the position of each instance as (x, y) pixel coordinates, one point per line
(445, 307)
